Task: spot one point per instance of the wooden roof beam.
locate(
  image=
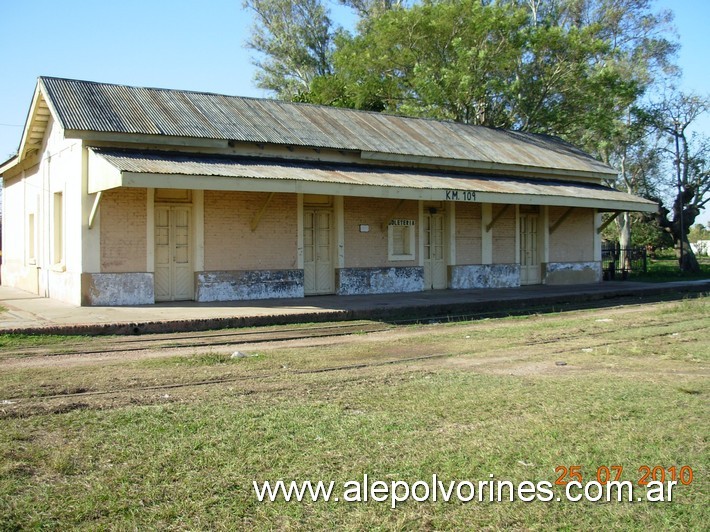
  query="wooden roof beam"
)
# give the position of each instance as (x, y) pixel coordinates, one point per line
(388, 219)
(497, 217)
(607, 222)
(257, 218)
(561, 220)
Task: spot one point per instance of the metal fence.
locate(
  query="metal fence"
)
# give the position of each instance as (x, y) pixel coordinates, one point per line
(619, 263)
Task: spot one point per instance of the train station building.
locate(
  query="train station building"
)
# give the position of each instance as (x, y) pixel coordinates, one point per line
(125, 195)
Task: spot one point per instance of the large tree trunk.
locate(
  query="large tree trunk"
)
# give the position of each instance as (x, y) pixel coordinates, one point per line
(684, 215)
(687, 260)
(623, 222)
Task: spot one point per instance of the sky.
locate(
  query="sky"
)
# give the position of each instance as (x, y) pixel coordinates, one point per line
(191, 45)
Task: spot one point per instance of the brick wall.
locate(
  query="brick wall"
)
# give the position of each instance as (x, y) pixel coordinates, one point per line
(230, 243)
(573, 241)
(123, 230)
(468, 233)
(367, 250)
(504, 236)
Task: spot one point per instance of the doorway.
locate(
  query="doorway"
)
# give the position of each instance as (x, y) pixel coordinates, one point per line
(529, 256)
(435, 277)
(318, 235)
(174, 276)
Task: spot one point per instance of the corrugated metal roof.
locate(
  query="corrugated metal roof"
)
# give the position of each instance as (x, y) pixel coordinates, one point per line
(147, 162)
(101, 107)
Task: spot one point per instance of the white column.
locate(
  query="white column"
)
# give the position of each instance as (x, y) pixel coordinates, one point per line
(421, 233)
(451, 215)
(517, 234)
(545, 235)
(198, 222)
(597, 236)
(299, 228)
(340, 230)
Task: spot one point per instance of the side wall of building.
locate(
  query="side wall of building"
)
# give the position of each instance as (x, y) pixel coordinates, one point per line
(250, 247)
(124, 230)
(122, 225)
(572, 248)
(486, 257)
(40, 251)
(369, 264)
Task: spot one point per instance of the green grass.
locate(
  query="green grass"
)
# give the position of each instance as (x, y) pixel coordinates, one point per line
(663, 267)
(19, 341)
(488, 406)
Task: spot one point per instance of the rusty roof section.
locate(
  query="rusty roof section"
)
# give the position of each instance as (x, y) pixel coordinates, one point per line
(102, 107)
(154, 162)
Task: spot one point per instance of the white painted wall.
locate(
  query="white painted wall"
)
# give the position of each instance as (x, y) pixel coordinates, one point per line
(59, 170)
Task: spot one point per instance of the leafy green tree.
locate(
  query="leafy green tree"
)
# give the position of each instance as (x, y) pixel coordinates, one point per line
(294, 39)
(687, 176)
(699, 232)
(570, 68)
(474, 63)
(577, 69)
(370, 9)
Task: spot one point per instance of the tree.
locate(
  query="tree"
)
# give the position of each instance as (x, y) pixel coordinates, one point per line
(633, 152)
(369, 9)
(688, 174)
(570, 68)
(295, 38)
(577, 69)
(699, 232)
(477, 63)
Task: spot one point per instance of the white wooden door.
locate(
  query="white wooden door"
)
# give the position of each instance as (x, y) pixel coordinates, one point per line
(318, 269)
(529, 256)
(173, 254)
(434, 248)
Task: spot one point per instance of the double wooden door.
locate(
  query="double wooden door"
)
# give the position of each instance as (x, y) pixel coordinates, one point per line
(174, 275)
(318, 265)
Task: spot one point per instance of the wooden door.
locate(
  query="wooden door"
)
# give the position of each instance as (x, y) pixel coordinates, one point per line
(173, 254)
(318, 268)
(529, 256)
(434, 252)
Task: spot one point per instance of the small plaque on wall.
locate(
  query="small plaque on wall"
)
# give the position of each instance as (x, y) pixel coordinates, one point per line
(401, 222)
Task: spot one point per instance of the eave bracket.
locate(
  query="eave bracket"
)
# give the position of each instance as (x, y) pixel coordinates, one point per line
(497, 217)
(607, 222)
(94, 208)
(388, 219)
(257, 218)
(561, 220)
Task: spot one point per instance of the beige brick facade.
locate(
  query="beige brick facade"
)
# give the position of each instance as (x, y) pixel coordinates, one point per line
(366, 250)
(230, 244)
(123, 230)
(573, 240)
(468, 233)
(504, 237)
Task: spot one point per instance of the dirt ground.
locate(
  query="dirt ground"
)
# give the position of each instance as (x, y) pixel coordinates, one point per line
(57, 377)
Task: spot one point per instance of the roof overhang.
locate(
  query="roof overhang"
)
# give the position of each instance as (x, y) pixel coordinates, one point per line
(110, 169)
(491, 167)
(38, 116)
(10, 163)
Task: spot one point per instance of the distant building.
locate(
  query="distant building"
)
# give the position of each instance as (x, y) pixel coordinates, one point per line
(701, 247)
(125, 195)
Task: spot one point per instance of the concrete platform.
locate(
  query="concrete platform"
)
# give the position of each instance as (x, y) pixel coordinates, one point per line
(30, 314)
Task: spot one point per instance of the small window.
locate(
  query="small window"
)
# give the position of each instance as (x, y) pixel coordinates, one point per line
(31, 246)
(401, 242)
(58, 229)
